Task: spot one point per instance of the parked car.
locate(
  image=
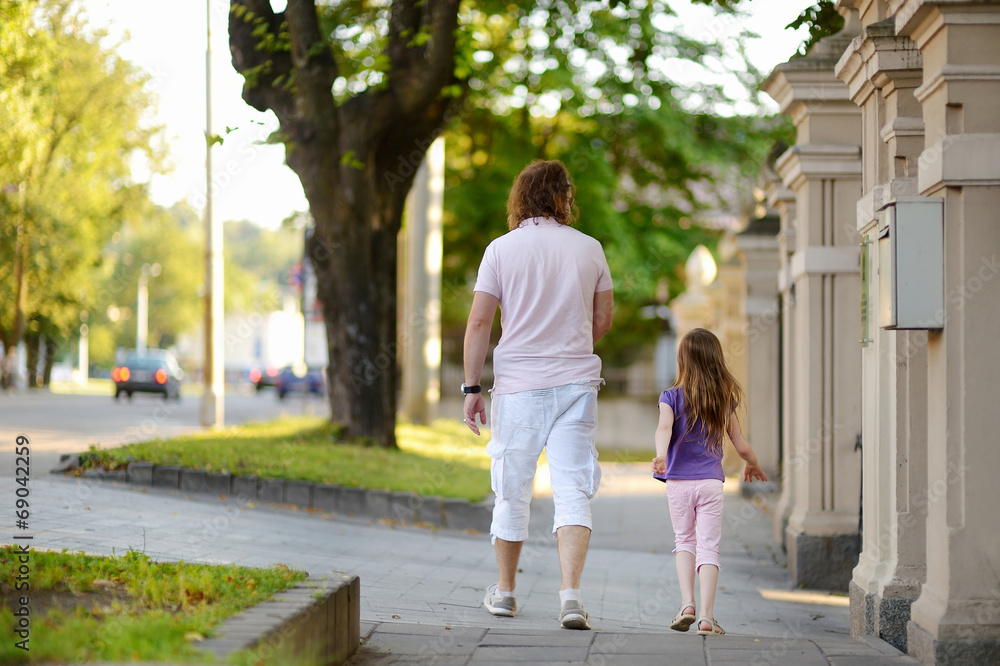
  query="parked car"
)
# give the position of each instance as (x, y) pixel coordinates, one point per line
(264, 377)
(300, 379)
(151, 371)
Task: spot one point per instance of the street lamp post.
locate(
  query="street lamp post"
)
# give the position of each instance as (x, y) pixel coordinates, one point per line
(142, 305)
(213, 398)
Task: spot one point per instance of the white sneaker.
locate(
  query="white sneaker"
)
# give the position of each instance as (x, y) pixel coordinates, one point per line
(497, 604)
(573, 616)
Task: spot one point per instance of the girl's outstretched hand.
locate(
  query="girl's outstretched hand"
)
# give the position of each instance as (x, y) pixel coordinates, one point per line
(753, 473)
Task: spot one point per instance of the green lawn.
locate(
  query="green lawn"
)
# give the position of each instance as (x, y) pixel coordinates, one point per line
(444, 459)
(125, 608)
(441, 459)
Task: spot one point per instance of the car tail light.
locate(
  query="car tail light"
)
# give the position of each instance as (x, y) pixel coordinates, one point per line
(271, 371)
(124, 374)
(161, 376)
(255, 375)
(116, 374)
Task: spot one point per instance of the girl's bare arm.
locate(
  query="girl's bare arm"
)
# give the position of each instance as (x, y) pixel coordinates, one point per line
(661, 438)
(752, 470)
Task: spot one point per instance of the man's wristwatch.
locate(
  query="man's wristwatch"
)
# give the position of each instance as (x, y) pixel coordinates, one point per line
(466, 390)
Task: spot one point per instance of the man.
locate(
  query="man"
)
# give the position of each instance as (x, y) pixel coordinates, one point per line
(554, 291)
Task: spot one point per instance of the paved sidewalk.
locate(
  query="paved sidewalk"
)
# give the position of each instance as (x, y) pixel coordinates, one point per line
(421, 591)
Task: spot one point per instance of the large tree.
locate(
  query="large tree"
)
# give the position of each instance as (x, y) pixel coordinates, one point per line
(71, 131)
(356, 159)
(361, 88)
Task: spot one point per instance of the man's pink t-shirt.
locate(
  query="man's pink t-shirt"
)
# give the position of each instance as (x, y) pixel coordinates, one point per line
(545, 275)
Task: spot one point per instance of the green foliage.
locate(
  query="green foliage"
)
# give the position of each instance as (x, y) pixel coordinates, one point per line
(823, 20)
(585, 82)
(257, 265)
(73, 128)
(127, 607)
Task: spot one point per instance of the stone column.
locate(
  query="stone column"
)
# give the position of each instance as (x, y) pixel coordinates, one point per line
(956, 618)
(758, 248)
(727, 294)
(420, 328)
(881, 71)
(823, 169)
(782, 200)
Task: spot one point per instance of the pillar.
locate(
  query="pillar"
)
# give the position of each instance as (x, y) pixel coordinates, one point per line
(782, 200)
(882, 70)
(956, 618)
(823, 169)
(758, 249)
(420, 329)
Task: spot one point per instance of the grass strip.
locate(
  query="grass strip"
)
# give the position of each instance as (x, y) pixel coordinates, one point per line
(124, 608)
(441, 459)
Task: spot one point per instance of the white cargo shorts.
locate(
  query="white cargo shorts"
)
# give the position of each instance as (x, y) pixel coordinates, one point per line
(563, 422)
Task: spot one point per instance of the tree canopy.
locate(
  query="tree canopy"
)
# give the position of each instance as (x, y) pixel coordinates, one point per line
(360, 89)
(651, 156)
(72, 132)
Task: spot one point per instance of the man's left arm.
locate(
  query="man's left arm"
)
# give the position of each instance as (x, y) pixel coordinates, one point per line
(604, 303)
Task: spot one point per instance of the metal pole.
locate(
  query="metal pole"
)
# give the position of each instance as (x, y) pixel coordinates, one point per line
(213, 398)
(142, 312)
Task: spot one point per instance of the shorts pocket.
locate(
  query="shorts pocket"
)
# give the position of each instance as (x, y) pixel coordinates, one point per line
(497, 477)
(595, 474)
(524, 410)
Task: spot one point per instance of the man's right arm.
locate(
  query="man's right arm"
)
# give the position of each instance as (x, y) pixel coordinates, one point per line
(477, 342)
(604, 304)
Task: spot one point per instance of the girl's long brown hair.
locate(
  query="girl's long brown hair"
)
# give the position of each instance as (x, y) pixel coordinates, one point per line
(542, 189)
(711, 392)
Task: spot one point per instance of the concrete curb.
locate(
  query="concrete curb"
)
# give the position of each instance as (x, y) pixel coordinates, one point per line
(403, 507)
(317, 621)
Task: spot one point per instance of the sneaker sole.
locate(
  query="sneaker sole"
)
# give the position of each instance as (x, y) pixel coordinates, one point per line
(576, 621)
(502, 612)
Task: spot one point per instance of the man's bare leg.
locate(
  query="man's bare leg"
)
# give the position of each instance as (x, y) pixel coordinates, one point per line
(573, 542)
(508, 555)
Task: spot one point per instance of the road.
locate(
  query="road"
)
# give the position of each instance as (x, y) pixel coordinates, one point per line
(57, 424)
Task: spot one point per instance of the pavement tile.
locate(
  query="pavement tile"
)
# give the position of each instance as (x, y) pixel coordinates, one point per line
(648, 644)
(598, 659)
(531, 654)
(418, 645)
(870, 660)
(562, 638)
(470, 633)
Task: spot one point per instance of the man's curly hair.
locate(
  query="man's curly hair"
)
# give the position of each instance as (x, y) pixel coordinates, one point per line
(542, 189)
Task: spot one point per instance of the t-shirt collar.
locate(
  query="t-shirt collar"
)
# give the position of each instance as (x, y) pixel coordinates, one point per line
(538, 221)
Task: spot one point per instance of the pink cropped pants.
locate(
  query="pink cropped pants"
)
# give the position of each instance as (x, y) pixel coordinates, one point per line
(696, 516)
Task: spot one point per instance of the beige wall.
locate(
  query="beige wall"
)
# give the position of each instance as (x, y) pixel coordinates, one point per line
(820, 285)
(926, 75)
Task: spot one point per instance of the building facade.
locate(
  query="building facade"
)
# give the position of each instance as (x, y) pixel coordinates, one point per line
(889, 207)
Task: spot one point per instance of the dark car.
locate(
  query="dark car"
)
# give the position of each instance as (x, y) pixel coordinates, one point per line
(264, 377)
(152, 371)
(300, 379)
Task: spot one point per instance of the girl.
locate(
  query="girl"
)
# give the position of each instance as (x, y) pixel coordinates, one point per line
(695, 415)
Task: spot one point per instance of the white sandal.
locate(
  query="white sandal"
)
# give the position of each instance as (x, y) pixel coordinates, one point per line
(716, 630)
(683, 621)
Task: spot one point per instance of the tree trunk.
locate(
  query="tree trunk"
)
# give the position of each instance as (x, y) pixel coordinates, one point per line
(353, 251)
(50, 359)
(356, 162)
(8, 370)
(32, 340)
